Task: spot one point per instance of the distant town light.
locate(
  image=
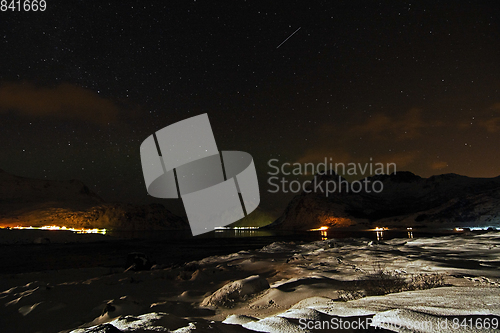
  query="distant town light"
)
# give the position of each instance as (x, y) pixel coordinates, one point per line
(55, 227)
(320, 229)
(236, 228)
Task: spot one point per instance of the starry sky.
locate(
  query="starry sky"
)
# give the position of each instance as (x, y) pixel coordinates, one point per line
(83, 83)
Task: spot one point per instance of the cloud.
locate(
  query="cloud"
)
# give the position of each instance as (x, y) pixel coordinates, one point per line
(492, 125)
(401, 159)
(380, 125)
(368, 138)
(495, 107)
(319, 155)
(439, 165)
(62, 101)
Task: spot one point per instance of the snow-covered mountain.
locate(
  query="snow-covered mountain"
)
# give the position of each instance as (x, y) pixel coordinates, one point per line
(405, 200)
(33, 202)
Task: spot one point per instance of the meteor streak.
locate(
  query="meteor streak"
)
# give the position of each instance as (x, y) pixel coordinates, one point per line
(288, 37)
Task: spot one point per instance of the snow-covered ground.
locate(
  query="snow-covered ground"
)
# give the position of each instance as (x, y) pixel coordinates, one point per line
(283, 287)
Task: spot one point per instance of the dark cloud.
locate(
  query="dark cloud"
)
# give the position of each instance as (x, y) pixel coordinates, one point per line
(492, 125)
(380, 125)
(438, 165)
(62, 101)
(378, 131)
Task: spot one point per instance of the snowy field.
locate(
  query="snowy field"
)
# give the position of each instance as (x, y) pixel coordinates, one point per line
(283, 287)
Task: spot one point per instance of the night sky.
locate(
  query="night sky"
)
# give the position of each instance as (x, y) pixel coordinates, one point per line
(83, 83)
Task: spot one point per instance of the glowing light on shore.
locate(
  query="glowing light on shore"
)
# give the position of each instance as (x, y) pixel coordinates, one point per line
(323, 231)
(55, 227)
(380, 232)
(236, 228)
(319, 229)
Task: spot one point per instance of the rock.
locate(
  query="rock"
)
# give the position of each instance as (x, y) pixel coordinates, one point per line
(41, 240)
(103, 328)
(236, 291)
(238, 319)
(137, 261)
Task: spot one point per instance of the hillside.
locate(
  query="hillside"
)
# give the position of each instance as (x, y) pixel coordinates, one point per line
(406, 200)
(33, 202)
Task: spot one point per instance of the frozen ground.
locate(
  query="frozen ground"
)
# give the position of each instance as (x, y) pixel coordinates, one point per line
(283, 287)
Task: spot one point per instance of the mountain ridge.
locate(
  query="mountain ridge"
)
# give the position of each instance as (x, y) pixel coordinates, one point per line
(34, 202)
(407, 200)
